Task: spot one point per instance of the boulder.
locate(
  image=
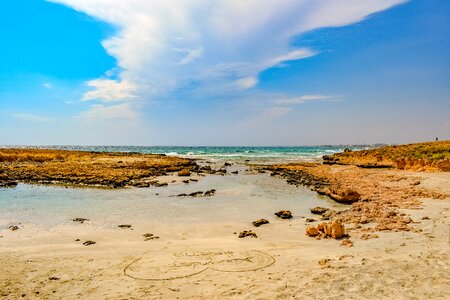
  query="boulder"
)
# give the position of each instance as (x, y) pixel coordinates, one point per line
(345, 196)
(260, 222)
(347, 243)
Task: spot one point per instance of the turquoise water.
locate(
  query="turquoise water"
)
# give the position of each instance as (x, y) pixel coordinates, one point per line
(237, 153)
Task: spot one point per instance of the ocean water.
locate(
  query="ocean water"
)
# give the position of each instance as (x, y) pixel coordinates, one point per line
(276, 154)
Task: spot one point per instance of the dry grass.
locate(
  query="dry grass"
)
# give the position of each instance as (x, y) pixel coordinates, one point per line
(420, 157)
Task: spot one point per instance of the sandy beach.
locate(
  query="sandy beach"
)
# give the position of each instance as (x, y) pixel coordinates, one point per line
(176, 252)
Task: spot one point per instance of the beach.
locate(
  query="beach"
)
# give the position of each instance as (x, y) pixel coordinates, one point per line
(178, 239)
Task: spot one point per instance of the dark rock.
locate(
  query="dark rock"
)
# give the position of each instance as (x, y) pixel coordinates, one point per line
(310, 220)
(124, 226)
(150, 236)
(246, 233)
(194, 180)
(88, 243)
(8, 184)
(53, 278)
(13, 228)
(227, 164)
(284, 214)
(235, 172)
(319, 210)
(80, 220)
(210, 193)
(260, 222)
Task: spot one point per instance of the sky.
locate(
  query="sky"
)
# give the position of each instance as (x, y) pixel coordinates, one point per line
(224, 72)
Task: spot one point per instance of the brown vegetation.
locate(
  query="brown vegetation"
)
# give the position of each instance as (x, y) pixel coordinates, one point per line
(87, 168)
(433, 156)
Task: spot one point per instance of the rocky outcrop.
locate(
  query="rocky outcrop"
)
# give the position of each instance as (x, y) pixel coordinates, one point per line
(341, 195)
(8, 184)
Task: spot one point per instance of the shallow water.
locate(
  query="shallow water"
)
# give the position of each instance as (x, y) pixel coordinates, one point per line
(240, 198)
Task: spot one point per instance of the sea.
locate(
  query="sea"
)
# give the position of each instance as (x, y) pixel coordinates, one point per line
(239, 153)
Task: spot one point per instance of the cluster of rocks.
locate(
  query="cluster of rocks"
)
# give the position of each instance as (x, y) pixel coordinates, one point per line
(8, 183)
(150, 236)
(334, 229)
(208, 193)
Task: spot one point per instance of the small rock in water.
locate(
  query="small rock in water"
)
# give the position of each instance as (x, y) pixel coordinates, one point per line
(80, 220)
(284, 214)
(246, 233)
(260, 222)
(88, 243)
(13, 228)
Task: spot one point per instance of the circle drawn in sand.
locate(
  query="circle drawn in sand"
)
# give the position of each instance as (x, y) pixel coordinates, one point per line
(181, 265)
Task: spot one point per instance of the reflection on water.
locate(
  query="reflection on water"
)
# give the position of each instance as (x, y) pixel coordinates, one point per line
(238, 198)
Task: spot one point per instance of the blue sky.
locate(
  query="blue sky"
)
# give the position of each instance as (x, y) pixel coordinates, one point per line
(227, 72)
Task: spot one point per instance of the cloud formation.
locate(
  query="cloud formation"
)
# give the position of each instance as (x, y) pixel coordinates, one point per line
(212, 47)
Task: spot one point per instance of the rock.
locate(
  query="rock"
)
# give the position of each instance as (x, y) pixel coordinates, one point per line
(80, 220)
(184, 172)
(347, 150)
(345, 196)
(260, 222)
(193, 180)
(53, 278)
(150, 236)
(124, 226)
(324, 262)
(186, 181)
(347, 243)
(416, 182)
(333, 229)
(88, 243)
(227, 164)
(319, 210)
(425, 218)
(210, 193)
(7, 184)
(312, 231)
(284, 214)
(13, 228)
(367, 236)
(246, 233)
(235, 172)
(196, 194)
(309, 220)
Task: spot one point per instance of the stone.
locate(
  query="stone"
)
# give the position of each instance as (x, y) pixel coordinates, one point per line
(8, 184)
(345, 196)
(184, 172)
(210, 193)
(284, 214)
(89, 243)
(124, 226)
(150, 236)
(80, 220)
(260, 222)
(13, 228)
(309, 220)
(319, 210)
(333, 229)
(367, 236)
(347, 243)
(247, 233)
(312, 231)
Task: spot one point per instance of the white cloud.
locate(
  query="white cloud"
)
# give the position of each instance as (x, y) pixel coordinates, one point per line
(162, 46)
(99, 112)
(32, 118)
(109, 90)
(246, 82)
(306, 98)
(47, 85)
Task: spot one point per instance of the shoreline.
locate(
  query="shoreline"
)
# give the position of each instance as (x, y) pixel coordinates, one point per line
(395, 220)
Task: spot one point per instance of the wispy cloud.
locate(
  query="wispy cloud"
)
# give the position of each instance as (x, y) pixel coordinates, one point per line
(99, 112)
(31, 118)
(306, 98)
